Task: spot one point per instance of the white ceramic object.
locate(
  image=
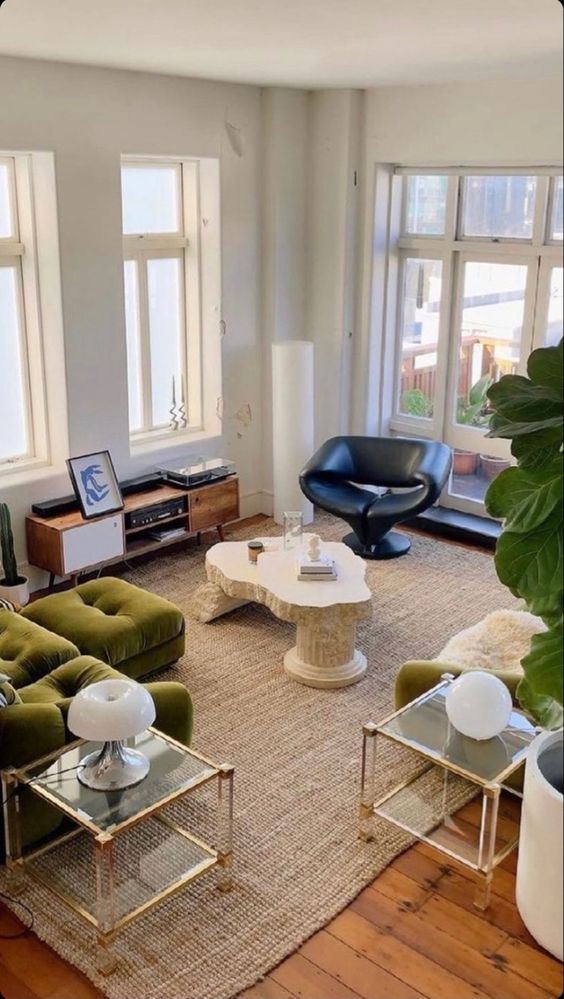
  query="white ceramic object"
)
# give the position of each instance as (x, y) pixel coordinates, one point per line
(111, 710)
(17, 594)
(478, 705)
(539, 867)
(292, 424)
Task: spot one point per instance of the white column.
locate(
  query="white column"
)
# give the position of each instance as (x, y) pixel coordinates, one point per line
(292, 424)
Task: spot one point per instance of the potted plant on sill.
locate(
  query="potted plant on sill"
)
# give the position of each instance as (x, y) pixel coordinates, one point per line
(529, 559)
(13, 586)
(492, 467)
(473, 413)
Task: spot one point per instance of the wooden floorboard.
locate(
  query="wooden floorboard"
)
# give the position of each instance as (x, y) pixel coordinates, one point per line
(413, 934)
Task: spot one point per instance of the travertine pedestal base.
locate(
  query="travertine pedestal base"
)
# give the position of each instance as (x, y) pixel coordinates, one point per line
(324, 613)
(325, 659)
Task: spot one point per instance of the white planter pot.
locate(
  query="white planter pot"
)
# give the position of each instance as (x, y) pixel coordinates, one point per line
(17, 594)
(539, 867)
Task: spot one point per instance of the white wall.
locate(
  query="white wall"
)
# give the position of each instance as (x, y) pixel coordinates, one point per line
(298, 235)
(498, 122)
(89, 118)
(493, 123)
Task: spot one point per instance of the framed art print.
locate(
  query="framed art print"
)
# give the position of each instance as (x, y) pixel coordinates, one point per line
(95, 484)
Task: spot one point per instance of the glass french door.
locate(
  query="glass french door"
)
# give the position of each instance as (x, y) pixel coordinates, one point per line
(492, 335)
(477, 264)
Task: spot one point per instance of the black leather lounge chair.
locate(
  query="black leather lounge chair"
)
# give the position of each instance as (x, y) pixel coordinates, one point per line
(335, 479)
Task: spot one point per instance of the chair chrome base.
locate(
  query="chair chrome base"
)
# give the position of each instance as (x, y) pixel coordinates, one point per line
(113, 768)
(391, 545)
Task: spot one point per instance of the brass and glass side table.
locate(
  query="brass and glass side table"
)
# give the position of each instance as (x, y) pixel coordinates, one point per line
(446, 771)
(120, 853)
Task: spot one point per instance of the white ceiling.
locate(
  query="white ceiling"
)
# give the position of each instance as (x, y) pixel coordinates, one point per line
(299, 43)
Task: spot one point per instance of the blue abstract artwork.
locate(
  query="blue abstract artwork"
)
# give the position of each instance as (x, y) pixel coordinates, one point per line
(94, 490)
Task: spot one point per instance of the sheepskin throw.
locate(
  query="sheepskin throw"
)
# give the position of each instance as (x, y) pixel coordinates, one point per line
(498, 642)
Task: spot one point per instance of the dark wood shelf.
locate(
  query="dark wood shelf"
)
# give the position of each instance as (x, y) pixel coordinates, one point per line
(141, 546)
(157, 523)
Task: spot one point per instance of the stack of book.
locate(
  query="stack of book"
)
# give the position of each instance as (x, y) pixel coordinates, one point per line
(319, 570)
(166, 534)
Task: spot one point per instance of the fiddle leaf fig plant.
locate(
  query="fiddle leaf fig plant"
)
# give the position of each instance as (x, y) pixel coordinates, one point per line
(529, 499)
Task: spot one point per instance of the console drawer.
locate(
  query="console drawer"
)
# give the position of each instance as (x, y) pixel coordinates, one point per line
(214, 505)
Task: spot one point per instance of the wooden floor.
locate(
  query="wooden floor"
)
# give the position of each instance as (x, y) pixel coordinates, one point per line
(413, 933)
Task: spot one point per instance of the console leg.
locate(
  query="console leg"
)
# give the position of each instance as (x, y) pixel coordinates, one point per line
(220, 532)
(51, 582)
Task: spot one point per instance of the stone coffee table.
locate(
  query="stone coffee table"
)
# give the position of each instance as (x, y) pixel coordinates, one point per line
(325, 613)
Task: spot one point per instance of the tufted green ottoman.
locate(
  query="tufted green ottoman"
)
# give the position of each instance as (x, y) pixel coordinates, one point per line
(37, 727)
(123, 625)
(27, 651)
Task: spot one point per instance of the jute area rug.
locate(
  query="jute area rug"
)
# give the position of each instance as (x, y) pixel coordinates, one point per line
(296, 751)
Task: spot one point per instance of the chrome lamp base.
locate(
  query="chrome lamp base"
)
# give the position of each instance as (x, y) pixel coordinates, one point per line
(113, 768)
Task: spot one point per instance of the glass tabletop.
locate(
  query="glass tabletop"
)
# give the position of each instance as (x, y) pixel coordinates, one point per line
(174, 770)
(424, 727)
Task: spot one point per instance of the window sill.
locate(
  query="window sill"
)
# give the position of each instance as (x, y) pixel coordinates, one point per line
(17, 475)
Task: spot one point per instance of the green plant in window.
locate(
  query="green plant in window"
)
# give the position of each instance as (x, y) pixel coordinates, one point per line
(416, 403)
(529, 498)
(474, 410)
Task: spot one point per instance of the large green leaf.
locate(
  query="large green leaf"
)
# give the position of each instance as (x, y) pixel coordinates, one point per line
(529, 554)
(541, 690)
(524, 498)
(477, 394)
(521, 406)
(546, 367)
(500, 426)
(537, 449)
(532, 564)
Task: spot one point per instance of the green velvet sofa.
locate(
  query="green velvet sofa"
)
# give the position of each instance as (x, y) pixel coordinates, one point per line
(37, 726)
(127, 627)
(106, 628)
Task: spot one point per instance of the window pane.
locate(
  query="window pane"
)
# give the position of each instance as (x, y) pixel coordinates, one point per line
(500, 207)
(554, 330)
(132, 329)
(5, 214)
(420, 332)
(473, 472)
(166, 323)
(557, 223)
(150, 199)
(13, 422)
(490, 334)
(426, 205)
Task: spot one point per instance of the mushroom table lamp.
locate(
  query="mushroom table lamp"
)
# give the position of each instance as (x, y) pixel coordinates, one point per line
(110, 711)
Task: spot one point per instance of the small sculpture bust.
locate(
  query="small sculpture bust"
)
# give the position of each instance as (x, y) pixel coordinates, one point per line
(313, 548)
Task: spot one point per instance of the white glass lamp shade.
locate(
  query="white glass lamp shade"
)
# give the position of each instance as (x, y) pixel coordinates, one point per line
(478, 705)
(111, 710)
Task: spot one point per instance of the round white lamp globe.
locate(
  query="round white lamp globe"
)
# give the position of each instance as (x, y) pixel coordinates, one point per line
(478, 705)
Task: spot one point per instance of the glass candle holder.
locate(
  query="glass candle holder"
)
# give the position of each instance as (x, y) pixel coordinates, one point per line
(293, 529)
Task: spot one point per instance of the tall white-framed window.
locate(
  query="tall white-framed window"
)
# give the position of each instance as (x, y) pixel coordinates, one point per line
(170, 216)
(24, 415)
(474, 284)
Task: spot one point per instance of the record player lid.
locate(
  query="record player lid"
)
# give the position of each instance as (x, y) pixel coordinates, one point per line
(212, 465)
